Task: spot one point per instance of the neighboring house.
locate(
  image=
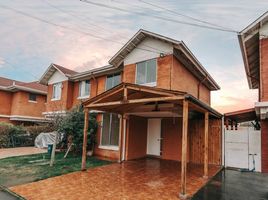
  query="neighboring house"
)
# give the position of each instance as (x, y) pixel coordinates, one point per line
(20, 102)
(254, 46)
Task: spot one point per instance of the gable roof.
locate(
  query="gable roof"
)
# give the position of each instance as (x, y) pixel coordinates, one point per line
(52, 69)
(249, 45)
(180, 50)
(13, 86)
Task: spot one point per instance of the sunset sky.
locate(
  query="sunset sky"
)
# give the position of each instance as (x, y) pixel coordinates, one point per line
(33, 34)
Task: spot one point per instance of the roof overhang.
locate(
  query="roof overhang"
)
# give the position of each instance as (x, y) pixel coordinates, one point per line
(105, 70)
(15, 88)
(249, 45)
(133, 99)
(180, 50)
(49, 72)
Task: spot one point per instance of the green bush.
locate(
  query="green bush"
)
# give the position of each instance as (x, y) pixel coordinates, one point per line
(11, 136)
(73, 125)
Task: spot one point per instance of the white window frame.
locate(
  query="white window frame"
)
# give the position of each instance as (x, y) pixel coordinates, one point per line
(151, 84)
(113, 75)
(108, 147)
(57, 97)
(82, 85)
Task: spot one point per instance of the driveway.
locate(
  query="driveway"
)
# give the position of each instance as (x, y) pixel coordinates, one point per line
(20, 151)
(235, 185)
(140, 179)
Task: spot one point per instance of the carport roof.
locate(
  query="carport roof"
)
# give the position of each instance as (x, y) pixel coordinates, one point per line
(241, 115)
(127, 97)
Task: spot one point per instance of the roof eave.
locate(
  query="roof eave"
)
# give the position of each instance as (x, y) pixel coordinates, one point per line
(244, 56)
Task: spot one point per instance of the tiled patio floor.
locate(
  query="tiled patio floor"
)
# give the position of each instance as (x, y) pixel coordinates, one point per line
(20, 151)
(140, 179)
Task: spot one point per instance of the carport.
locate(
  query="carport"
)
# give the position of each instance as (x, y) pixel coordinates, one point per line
(200, 124)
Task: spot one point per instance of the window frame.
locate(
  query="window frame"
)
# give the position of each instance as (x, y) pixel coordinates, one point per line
(60, 91)
(83, 85)
(109, 147)
(30, 100)
(112, 75)
(151, 84)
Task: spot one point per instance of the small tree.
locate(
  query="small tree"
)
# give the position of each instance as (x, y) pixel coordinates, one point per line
(73, 125)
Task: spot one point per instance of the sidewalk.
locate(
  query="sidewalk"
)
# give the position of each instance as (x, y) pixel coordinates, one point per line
(20, 151)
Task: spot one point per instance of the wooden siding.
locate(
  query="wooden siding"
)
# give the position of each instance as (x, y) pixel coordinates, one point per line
(196, 133)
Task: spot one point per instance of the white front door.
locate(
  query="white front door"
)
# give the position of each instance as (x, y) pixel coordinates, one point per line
(154, 137)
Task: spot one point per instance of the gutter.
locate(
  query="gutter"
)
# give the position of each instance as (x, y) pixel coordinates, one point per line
(203, 105)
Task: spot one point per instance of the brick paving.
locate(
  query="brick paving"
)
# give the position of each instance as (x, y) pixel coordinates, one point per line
(20, 151)
(151, 179)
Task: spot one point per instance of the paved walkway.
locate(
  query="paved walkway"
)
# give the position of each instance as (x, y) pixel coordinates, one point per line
(20, 151)
(151, 179)
(230, 184)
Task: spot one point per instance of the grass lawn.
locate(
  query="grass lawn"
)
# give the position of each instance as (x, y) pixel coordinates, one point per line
(24, 169)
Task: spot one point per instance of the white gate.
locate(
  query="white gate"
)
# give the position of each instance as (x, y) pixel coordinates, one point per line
(239, 144)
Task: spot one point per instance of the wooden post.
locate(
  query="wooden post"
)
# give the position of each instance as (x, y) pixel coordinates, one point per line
(184, 149)
(84, 154)
(206, 146)
(121, 130)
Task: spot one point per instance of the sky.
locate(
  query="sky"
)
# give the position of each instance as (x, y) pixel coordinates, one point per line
(82, 36)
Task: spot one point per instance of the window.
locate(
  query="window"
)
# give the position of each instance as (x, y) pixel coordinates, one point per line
(146, 73)
(56, 95)
(32, 97)
(84, 89)
(113, 80)
(110, 130)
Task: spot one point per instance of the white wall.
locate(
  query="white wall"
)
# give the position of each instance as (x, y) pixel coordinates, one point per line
(56, 78)
(239, 144)
(264, 31)
(138, 55)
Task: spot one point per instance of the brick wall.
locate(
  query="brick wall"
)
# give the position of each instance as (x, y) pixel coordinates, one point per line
(5, 102)
(264, 69)
(264, 145)
(171, 74)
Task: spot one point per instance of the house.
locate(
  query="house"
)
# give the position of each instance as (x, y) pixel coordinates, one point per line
(68, 88)
(254, 47)
(161, 108)
(21, 102)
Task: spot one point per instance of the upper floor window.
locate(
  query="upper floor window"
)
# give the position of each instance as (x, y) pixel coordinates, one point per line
(32, 97)
(84, 89)
(110, 130)
(56, 94)
(113, 80)
(146, 73)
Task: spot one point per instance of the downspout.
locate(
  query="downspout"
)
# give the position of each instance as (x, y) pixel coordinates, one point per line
(199, 84)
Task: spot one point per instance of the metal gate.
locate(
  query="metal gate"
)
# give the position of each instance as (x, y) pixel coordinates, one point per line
(240, 145)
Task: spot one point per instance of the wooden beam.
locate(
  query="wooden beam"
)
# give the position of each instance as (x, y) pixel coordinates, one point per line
(84, 154)
(145, 100)
(184, 149)
(206, 146)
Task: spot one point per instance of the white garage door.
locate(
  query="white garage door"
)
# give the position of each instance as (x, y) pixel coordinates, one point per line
(239, 144)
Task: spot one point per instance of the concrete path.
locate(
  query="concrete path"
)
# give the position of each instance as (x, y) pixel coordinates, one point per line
(230, 184)
(20, 151)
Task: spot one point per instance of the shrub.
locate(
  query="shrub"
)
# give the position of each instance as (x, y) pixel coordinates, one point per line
(73, 125)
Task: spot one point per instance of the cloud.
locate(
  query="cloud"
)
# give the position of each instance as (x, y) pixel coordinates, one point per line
(2, 62)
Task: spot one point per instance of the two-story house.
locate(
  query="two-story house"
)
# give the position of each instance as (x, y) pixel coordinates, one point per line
(152, 86)
(22, 103)
(254, 47)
